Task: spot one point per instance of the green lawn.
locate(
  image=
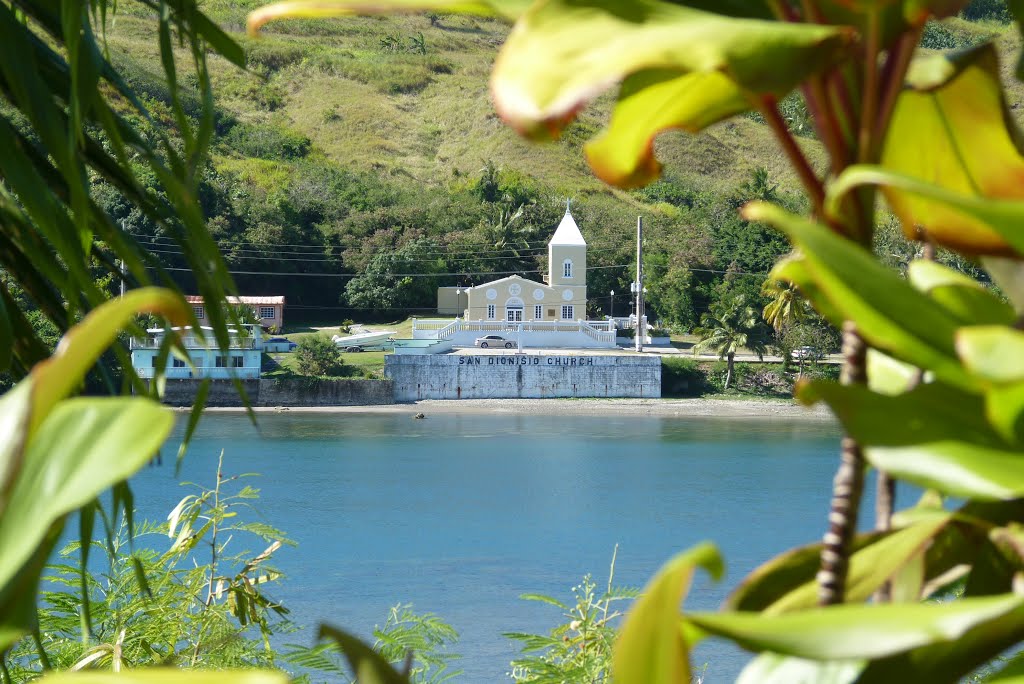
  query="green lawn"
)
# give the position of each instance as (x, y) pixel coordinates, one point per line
(368, 364)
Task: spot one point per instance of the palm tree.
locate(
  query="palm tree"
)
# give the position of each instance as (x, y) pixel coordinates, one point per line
(786, 306)
(731, 324)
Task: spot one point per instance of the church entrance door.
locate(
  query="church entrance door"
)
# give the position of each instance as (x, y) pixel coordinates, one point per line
(514, 315)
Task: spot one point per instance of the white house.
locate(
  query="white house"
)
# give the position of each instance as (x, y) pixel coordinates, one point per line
(241, 360)
(549, 313)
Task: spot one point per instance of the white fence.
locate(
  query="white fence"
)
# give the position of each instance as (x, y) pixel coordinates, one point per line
(530, 333)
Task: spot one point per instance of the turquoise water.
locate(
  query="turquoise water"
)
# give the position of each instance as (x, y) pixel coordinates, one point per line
(460, 514)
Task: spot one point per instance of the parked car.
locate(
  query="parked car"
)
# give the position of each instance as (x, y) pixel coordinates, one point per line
(808, 353)
(279, 344)
(493, 341)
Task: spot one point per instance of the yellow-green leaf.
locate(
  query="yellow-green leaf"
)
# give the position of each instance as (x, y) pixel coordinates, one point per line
(54, 378)
(951, 164)
(650, 648)
(562, 53)
(965, 298)
(653, 101)
(82, 448)
(994, 352)
(871, 566)
(771, 668)
(955, 468)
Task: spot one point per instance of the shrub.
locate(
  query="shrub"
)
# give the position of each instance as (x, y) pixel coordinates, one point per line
(580, 648)
(950, 36)
(268, 141)
(682, 378)
(993, 10)
(318, 356)
(269, 56)
(716, 375)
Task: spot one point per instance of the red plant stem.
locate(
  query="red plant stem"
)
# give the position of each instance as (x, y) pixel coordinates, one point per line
(812, 184)
(823, 111)
(844, 105)
(782, 10)
(895, 72)
(811, 12)
(869, 102)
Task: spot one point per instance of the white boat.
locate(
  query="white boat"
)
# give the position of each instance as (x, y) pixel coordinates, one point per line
(363, 339)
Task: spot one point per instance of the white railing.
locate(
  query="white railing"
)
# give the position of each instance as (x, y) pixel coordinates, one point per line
(601, 331)
(191, 342)
(430, 324)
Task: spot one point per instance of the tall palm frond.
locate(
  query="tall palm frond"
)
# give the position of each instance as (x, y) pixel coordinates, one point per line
(786, 306)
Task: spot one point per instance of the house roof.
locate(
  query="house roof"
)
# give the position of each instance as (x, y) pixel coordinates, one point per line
(270, 299)
(521, 279)
(567, 233)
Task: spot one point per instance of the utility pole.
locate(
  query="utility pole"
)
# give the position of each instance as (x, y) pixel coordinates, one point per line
(638, 286)
(124, 228)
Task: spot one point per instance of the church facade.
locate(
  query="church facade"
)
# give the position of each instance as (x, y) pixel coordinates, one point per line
(561, 297)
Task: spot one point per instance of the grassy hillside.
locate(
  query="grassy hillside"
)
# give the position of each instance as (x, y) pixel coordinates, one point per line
(368, 137)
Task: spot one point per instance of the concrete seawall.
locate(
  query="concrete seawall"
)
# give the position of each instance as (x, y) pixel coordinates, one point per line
(511, 375)
(291, 392)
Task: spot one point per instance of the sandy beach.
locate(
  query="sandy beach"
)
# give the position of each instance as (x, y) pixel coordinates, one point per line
(720, 408)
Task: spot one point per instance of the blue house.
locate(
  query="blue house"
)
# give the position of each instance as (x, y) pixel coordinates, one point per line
(241, 360)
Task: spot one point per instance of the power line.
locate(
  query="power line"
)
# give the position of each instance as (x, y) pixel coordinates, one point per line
(449, 254)
(232, 255)
(396, 275)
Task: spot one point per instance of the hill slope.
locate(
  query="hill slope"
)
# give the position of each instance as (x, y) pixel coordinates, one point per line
(353, 140)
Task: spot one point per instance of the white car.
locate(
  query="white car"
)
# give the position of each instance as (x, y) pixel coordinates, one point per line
(493, 341)
(809, 353)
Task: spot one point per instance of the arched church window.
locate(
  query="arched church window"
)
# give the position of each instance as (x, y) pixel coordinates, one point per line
(567, 268)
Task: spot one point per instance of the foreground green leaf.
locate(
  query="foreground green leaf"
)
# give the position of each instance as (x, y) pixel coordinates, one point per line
(368, 666)
(889, 313)
(852, 632)
(771, 668)
(955, 468)
(84, 447)
(650, 649)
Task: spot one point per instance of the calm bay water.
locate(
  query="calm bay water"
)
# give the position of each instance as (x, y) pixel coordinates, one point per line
(460, 514)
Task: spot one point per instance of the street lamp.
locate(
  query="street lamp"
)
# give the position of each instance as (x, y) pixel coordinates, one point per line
(458, 302)
(611, 304)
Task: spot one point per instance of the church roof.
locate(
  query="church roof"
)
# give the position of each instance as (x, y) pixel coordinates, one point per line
(567, 233)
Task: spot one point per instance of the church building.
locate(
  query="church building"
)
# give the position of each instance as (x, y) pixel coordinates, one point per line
(561, 297)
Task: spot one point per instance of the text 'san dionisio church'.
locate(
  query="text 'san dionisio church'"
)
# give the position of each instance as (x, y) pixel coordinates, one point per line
(514, 337)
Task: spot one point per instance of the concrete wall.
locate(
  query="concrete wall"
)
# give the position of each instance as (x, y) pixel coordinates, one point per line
(522, 376)
(284, 392)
